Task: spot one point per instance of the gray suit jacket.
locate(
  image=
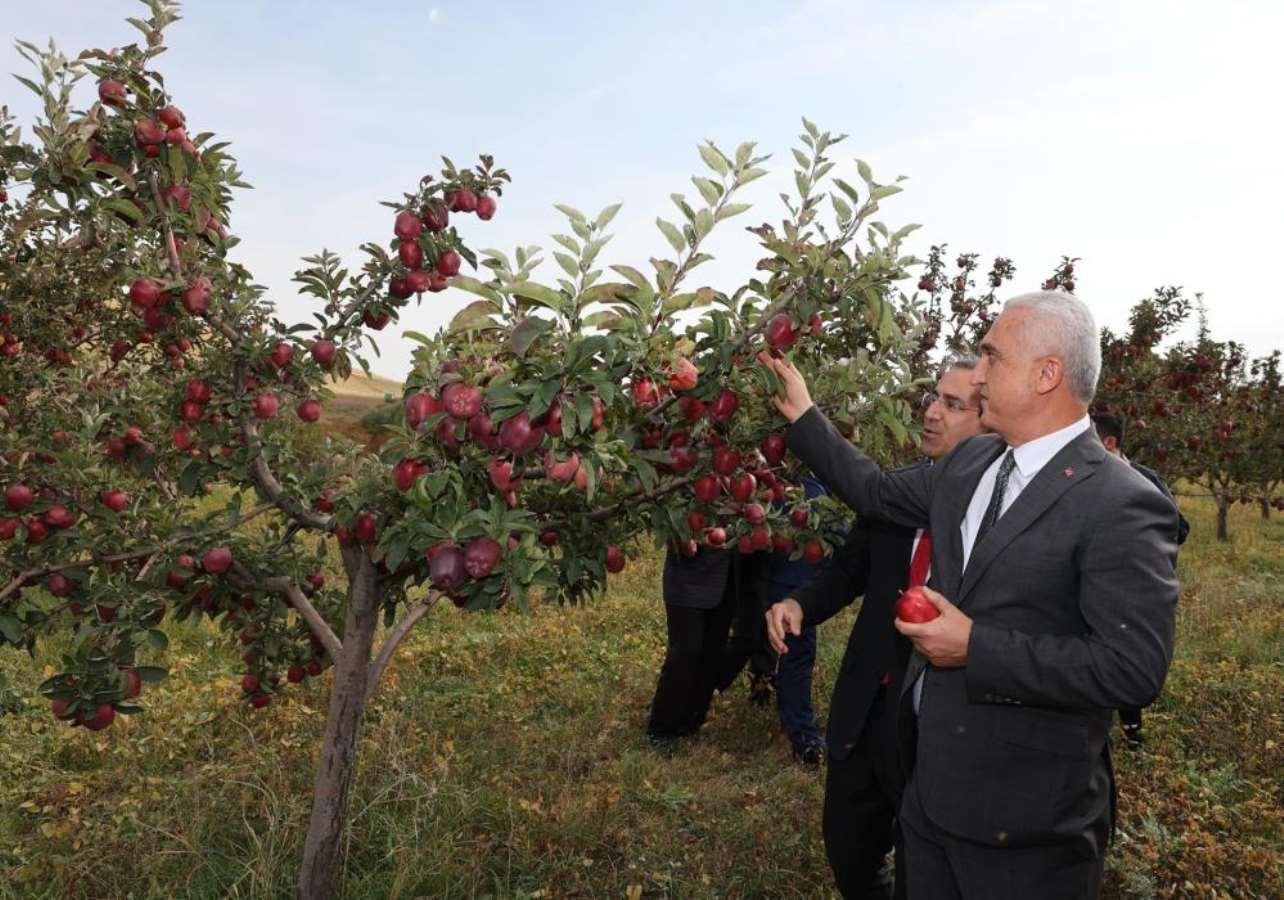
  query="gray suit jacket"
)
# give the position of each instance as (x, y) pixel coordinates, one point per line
(1072, 595)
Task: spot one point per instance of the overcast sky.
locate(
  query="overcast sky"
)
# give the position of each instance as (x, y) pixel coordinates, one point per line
(1144, 137)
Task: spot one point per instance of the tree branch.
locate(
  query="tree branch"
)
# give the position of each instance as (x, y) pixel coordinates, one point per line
(151, 551)
(395, 637)
(318, 625)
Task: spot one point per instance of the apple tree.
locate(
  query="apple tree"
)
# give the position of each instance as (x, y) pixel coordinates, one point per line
(155, 456)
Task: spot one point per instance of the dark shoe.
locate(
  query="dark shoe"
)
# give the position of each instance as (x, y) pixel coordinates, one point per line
(759, 689)
(1132, 737)
(811, 754)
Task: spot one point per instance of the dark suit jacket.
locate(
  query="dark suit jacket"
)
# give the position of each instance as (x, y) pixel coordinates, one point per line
(697, 582)
(874, 562)
(1183, 527)
(1072, 596)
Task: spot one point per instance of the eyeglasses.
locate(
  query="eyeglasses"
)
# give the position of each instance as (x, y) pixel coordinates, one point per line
(953, 404)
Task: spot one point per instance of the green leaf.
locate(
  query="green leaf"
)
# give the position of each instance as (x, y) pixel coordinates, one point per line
(732, 209)
(841, 208)
(124, 207)
(473, 286)
(605, 216)
(475, 315)
(545, 296)
(570, 265)
(709, 189)
(158, 639)
(885, 190)
(151, 674)
(866, 174)
(674, 236)
(714, 159)
(526, 332)
(571, 213)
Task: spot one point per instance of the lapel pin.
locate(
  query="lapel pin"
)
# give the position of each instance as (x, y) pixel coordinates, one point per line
(1069, 472)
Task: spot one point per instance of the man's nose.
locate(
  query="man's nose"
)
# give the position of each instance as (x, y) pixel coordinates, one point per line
(978, 373)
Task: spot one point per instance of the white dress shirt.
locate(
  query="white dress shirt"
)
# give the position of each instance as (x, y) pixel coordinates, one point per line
(1029, 459)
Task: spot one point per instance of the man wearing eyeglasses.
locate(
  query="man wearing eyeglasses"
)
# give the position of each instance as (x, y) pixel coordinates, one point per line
(864, 780)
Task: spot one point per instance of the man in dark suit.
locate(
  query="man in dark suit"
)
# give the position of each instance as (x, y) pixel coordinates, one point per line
(702, 595)
(1059, 564)
(1110, 429)
(864, 780)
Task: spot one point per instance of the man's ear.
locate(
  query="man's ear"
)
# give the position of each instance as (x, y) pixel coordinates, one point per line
(1110, 443)
(1051, 373)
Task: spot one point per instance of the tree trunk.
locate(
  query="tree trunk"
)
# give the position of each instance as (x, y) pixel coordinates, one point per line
(318, 879)
(1223, 505)
(1265, 504)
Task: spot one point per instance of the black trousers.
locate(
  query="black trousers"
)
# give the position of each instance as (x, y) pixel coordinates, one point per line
(941, 866)
(859, 824)
(695, 663)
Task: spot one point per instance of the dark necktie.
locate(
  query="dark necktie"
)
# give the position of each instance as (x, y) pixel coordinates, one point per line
(995, 509)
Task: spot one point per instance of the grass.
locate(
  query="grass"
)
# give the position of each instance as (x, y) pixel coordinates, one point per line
(504, 757)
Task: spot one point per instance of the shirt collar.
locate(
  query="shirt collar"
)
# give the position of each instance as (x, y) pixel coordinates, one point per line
(1034, 455)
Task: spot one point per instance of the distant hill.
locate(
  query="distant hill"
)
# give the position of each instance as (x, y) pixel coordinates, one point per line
(356, 396)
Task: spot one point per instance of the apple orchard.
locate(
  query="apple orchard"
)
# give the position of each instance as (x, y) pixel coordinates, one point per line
(160, 460)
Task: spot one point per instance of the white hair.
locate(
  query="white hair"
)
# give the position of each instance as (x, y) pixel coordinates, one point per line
(1065, 329)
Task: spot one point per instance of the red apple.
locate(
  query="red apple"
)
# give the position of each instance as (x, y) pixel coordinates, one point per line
(196, 299)
(501, 475)
(614, 559)
(519, 436)
(59, 585)
(725, 460)
(773, 449)
(145, 292)
(172, 117)
(18, 496)
(446, 568)
(133, 683)
(435, 217)
(266, 406)
(281, 355)
(406, 473)
(115, 500)
(462, 401)
(782, 544)
(295, 674)
(58, 516)
(8, 528)
(309, 410)
(485, 207)
(464, 201)
(365, 529)
(645, 395)
(561, 470)
(481, 555)
(407, 225)
(814, 552)
(798, 516)
(913, 606)
(716, 536)
(448, 263)
(323, 352)
(216, 561)
(683, 374)
(103, 716)
(111, 92)
(411, 255)
(725, 406)
(754, 513)
(781, 332)
(707, 489)
(692, 408)
(743, 487)
(420, 406)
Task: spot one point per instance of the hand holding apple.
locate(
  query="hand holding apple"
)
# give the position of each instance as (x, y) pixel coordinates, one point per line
(943, 639)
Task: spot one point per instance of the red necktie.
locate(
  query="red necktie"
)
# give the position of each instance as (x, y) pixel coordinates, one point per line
(922, 560)
(919, 564)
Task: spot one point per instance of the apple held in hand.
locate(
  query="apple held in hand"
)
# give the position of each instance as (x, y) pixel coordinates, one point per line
(913, 606)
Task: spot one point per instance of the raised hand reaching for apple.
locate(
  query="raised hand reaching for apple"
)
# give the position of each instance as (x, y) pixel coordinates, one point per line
(796, 399)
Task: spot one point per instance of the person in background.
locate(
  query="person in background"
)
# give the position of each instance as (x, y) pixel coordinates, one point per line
(797, 660)
(702, 595)
(864, 780)
(1110, 428)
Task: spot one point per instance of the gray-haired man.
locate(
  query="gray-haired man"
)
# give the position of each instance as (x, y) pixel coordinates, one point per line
(1058, 561)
